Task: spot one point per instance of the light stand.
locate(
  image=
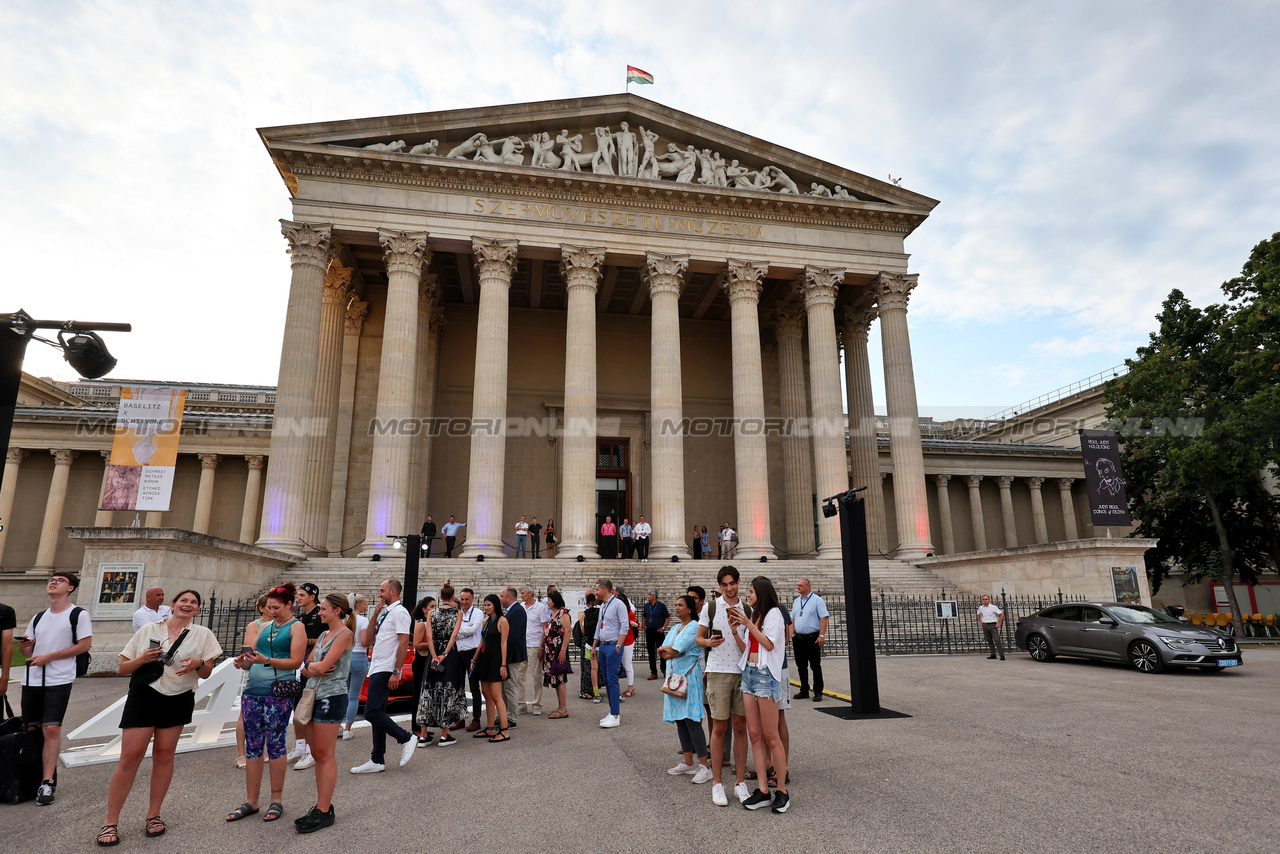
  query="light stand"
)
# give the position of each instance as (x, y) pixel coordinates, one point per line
(413, 554)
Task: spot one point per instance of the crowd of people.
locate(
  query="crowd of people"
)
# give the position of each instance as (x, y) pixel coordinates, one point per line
(306, 659)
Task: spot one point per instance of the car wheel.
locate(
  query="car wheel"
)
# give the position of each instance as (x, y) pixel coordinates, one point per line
(1144, 656)
(1038, 646)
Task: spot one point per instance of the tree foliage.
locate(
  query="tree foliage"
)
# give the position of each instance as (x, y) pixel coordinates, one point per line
(1208, 494)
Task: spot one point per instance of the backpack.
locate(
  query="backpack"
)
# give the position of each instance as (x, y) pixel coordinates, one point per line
(711, 612)
(84, 658)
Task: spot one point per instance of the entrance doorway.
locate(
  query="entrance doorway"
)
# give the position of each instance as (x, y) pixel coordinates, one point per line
(613, 486)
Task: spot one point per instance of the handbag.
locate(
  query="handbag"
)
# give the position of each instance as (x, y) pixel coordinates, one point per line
(306, 705)
(677, 685)
(153, 670)
(559, 668)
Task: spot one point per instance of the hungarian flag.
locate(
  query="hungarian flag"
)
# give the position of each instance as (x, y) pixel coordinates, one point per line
(635, 75)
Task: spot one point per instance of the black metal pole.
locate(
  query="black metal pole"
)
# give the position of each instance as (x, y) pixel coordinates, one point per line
(864, 686)
(13, 348)
(413, 552)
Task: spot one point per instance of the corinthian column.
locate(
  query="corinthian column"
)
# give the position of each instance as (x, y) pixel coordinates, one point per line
(337, 293)
(830, 465)
(52, 527)
(12, 460)
(252, 489)
(909, 497)
(944, 513)
(742, 282)
(1037, 509)
(353, 325)
(495, 262)
(406, 255)
(284, 508)
(102, 518)
(797, 461)
(1068, 508)
(1006, 509)
(863, 448)
(204, 494)
(580, 268)
(430, 321)
(665, 274)
(974, 482)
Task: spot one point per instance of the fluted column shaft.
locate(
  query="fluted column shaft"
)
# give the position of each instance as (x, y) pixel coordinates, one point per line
(430, 322)
(1037, 509)
(252, 489)
(863, 448)
(944, 513)
(333, 307)
(909, 496)
(1006, 508)
(495, 262)
(12, 461)
(284, 508)
(830, 464)
(1068, 508)
(751, 464)
(103, 518)
(406, 256)
(52, 527)
(354, 324)
(580, 268)
(204, 494)
(153, 519)
(665, 275)
(974, 482)
(797, 459)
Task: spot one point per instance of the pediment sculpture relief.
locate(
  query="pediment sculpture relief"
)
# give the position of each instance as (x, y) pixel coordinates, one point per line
(623, 152)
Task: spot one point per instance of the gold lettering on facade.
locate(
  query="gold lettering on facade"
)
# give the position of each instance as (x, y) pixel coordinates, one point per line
(613, 218)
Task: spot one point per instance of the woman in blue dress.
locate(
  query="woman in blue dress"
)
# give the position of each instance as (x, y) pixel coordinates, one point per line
(684, 658)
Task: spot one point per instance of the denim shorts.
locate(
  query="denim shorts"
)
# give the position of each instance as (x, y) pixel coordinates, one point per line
(761, 683)
(330, 710)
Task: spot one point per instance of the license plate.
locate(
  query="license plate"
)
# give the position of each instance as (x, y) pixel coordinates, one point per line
(1231, 662)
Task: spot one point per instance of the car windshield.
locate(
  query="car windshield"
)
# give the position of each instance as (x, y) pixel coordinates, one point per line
(1139, 614)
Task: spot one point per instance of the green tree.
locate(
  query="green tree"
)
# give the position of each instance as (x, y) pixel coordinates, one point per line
(1203, 492)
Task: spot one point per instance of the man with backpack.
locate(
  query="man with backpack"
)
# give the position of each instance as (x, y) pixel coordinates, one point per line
(54, 641)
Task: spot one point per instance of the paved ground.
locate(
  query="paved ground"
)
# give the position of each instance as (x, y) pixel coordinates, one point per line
(997, 756)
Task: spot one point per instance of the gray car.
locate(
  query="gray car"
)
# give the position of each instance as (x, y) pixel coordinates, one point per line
(1111, 631)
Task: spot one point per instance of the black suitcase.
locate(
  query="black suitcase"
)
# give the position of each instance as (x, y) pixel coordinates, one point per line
(21, 758)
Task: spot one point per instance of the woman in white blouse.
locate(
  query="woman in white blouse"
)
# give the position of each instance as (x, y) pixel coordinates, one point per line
(762, 686)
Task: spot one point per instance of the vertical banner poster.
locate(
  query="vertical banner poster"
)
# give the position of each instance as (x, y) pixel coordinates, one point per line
(144, 452)
(1108, 503)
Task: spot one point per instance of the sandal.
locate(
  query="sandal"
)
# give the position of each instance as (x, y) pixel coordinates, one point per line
(108, 836)
(558, 714)
(502, 736)
(241, 762)
(630, 692)
(487, 732)
(155, 827)
(274, 811)
(242, 811)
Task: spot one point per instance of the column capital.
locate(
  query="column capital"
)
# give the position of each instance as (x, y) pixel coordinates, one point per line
(580, 266)
(208, 461)
(106, 456)
(1005, 481)
(63, 456)
(309, 243)
(788, 319)
(883, 475)
(942, 479)
(437, 322)
(974, 480)
(15, 455)
(428, 290)
(744, 279)
(819, 285)
(404, 251)
(495, 257)
(893, 290)
(1035, 482)
(1065, 482)
(664, 273)
(356, 313)
(337, 283)
(256, 461)
(856, 320)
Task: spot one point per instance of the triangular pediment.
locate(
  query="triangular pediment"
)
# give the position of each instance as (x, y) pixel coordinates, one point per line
(587, 136)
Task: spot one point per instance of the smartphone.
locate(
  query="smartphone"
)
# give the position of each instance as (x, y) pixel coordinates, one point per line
(716, 633)
(246, 651)
(155, 644)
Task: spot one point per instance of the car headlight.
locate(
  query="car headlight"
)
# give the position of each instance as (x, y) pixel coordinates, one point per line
(1181, 643)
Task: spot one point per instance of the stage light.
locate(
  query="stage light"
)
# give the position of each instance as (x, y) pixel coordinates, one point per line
(87, 353)
(581, 558)
(376, 557)
(675, 558)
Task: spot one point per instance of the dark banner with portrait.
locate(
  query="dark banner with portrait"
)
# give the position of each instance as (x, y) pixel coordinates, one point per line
(1108, 503)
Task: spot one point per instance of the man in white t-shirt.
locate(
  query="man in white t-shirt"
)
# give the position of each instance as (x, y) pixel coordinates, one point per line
(642, 532)
(991, 618)
(728, 542)
(388, 633)
(538, 618)
(724, 683)
(51, 646)
(470, 623)
(153, 610)
(522, 538)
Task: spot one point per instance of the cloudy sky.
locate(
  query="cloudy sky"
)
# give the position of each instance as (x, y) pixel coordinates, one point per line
(1088, 156)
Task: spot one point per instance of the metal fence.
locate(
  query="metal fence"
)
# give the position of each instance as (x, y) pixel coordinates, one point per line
(903, 625)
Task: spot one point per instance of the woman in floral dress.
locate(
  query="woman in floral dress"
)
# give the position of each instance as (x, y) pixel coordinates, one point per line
(442, 702)
(555, 653)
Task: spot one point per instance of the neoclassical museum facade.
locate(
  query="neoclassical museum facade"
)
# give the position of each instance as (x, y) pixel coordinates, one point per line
(567, 309)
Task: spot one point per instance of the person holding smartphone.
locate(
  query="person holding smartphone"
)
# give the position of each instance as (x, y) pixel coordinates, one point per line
(762, 689)
(725, 644)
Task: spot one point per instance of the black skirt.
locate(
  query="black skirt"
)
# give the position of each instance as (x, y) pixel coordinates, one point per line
(147, 707)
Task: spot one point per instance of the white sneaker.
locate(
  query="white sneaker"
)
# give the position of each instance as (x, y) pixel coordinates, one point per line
(703, 775)
(682, 768)
(307, 761)
(406, 751)
(369, 767)
(537, 710)
(609, 721)
(741, 791)
(296, 753)
(347, 735)
(717, 795)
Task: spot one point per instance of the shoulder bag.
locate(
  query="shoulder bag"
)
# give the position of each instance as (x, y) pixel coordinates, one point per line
(153, 670)
(283, 689)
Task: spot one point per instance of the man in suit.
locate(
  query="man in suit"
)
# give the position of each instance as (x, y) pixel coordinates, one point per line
(517, 622)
